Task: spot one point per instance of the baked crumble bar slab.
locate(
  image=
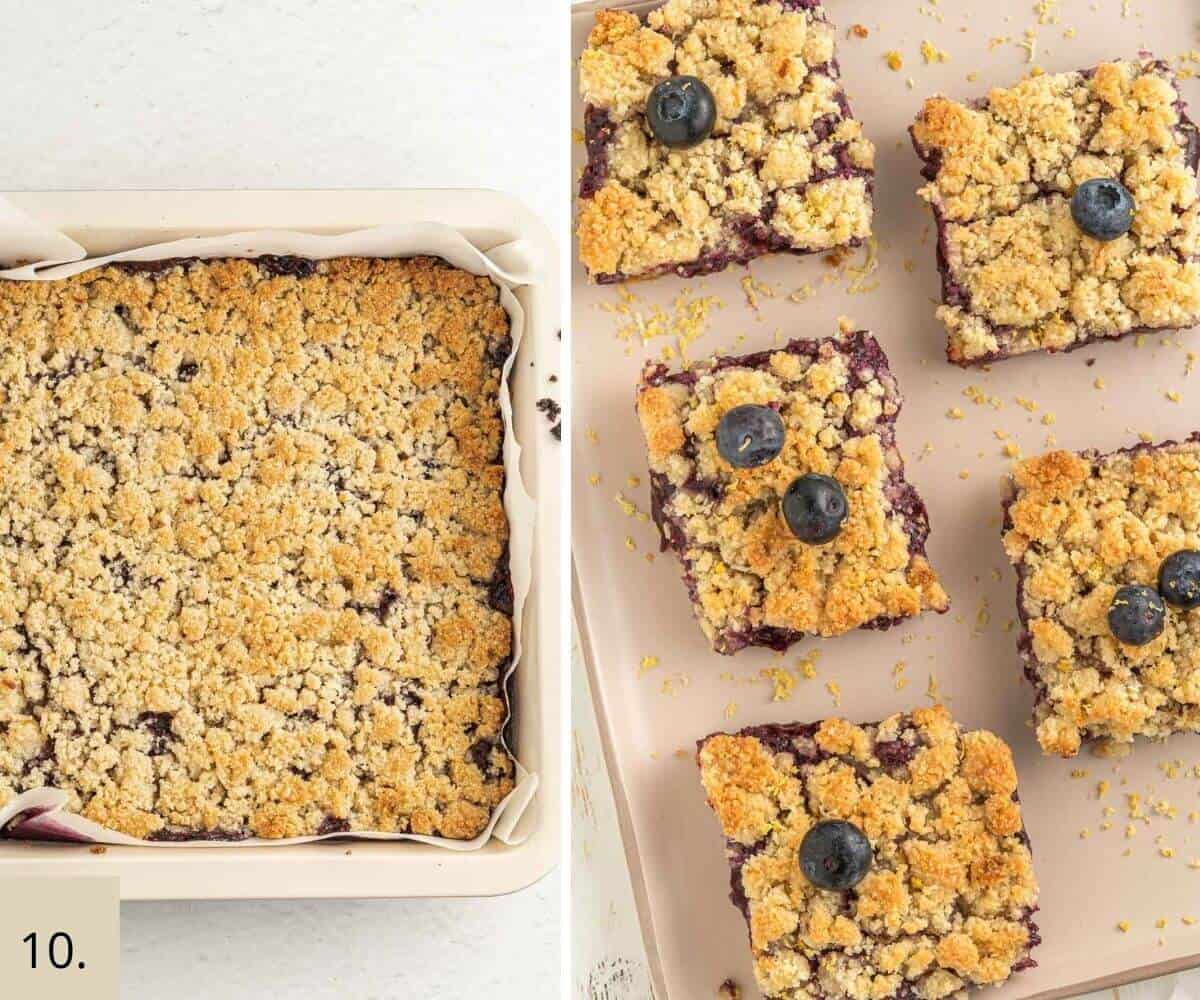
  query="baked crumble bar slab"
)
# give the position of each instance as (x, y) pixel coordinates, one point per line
(253, 553)
(1077, 528)
(1018, 275)
(786, 167)
(752, 582)
(948, 900)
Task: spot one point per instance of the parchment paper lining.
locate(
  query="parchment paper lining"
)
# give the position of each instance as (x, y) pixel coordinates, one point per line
(41, 814)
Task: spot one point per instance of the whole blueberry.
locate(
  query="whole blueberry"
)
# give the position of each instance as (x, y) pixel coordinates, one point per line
(749, 436)
(835, 854)
(814, 507)
(1179, 579)
(1103, 208)
(1136, 615)
(681, 112)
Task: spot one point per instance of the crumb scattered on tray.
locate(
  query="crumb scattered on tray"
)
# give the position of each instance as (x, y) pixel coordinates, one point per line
(932, 54)
(784, 683)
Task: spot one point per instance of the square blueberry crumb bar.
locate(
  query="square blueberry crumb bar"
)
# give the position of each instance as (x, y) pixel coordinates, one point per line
(1007, 179)
(755, 577)
(1105, 549)
(253, 552)
(784, 168)
(877, 861)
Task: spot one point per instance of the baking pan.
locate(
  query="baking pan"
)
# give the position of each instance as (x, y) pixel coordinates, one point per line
(658, 686)
(105, 222)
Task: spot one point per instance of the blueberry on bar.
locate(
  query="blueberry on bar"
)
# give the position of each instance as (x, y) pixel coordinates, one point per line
(1105, 548)
(877, 861)
(717, 131)
(800, 523)
(1066, 210)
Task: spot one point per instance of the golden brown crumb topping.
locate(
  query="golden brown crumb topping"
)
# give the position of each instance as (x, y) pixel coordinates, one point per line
(946, 903)
(1019, 273)
(250, 526)
(785, 161)
(1079, 527)
(746, 569)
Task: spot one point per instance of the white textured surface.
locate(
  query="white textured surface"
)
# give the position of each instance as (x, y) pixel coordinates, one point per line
(325, 93)
(501, 949)
(284, 93)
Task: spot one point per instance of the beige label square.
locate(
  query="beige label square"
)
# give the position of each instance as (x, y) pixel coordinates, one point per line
(60, 938)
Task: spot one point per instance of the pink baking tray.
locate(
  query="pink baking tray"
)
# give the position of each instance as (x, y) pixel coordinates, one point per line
(629, 608)
(105, 222)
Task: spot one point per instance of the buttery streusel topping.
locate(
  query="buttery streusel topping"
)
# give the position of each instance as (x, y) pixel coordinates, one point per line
(751, 580)
(253, 552)
(1079, 527)
(786, 167)
(948, 901)
(1018, 273)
